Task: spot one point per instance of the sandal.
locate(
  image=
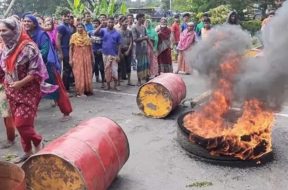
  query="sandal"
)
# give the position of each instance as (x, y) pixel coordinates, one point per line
(22, 158)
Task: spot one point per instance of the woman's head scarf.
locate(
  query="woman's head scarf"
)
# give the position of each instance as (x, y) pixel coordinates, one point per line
(152, 34)
(14, 39)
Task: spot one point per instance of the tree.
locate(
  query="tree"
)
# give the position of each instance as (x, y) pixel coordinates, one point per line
(22, 6)
(9, 8)
(182, 5)
(77, 7)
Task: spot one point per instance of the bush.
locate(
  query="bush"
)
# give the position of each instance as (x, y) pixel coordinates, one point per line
(217, 15)
(253, 26)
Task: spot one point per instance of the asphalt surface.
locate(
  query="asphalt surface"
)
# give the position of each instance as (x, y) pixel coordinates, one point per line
(157, 162)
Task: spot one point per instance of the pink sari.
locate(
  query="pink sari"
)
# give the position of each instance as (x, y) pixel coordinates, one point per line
(153, 62)
(186, 40)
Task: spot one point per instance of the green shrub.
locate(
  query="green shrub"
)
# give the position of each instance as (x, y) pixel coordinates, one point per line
(253, 26)
(219, 14)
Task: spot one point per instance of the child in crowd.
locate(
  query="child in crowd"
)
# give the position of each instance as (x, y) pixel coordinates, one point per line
(206, 29)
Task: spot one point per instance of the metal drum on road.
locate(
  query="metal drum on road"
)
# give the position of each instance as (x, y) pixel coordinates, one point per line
(88, 156)
(160, 96)
(12, 177)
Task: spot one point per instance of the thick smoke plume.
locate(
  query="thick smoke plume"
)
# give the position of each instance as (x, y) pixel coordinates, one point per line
(264, 77)
(223, 40)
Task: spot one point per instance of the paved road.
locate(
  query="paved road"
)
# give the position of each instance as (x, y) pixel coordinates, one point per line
(157, 162)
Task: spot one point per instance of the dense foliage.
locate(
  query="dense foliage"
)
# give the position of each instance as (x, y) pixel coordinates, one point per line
(253, 26)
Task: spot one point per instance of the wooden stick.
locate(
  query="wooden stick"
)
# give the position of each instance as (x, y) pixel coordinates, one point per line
(201, 98)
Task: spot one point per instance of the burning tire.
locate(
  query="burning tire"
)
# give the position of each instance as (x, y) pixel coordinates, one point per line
(197, 151)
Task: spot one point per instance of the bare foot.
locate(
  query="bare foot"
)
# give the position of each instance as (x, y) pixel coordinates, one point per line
(23, 158)
(39, 147)
(7, 144)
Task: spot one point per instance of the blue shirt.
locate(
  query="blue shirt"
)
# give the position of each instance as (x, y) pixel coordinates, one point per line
(183, 26)
(111, 39)
(89, 27)
(96, 41)
(66, 32)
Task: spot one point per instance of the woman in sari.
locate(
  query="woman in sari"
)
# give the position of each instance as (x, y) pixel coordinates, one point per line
(140, 38)
(187, 39)
(22, 71)
(50, 58)
(82, 61)
(152, 48)
(164, 48)
(6, 113)
(51, 30)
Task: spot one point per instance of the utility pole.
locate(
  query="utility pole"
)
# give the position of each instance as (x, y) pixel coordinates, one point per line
(9, 8)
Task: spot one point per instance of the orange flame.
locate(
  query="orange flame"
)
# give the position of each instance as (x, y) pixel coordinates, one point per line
(248, 138)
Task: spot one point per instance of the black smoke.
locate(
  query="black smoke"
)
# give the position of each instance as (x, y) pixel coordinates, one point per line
(263, 77)
(266, 77)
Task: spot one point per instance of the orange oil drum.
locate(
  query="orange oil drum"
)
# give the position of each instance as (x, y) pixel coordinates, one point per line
(161, 95)
(86, 157)
(12, 177)
(253, 52)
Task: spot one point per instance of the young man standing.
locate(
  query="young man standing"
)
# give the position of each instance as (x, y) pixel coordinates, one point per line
(97, 49)
(186, 18)
(200, 25)
(126, 49)
(72, 24)
(62, 43)
(130, 19)
(175, 29)
(88, 22)
(111, 41)
(140, 38)
(103, 20)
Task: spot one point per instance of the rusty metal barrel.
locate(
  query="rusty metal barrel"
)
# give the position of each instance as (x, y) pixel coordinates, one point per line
(88, 156)
(12, 177)
(161, 95)
(253, 52)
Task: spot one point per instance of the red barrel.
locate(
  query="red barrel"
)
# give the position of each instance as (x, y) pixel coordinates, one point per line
(86, 157)
(160, 96)
(11, 177)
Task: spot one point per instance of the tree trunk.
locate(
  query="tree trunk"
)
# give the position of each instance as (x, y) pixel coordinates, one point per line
(9, 8)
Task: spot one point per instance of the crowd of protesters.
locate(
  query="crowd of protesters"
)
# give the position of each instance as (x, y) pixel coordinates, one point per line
(45, 58)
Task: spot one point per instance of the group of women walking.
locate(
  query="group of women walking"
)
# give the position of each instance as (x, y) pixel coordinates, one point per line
(29, 70)
(30, 67)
